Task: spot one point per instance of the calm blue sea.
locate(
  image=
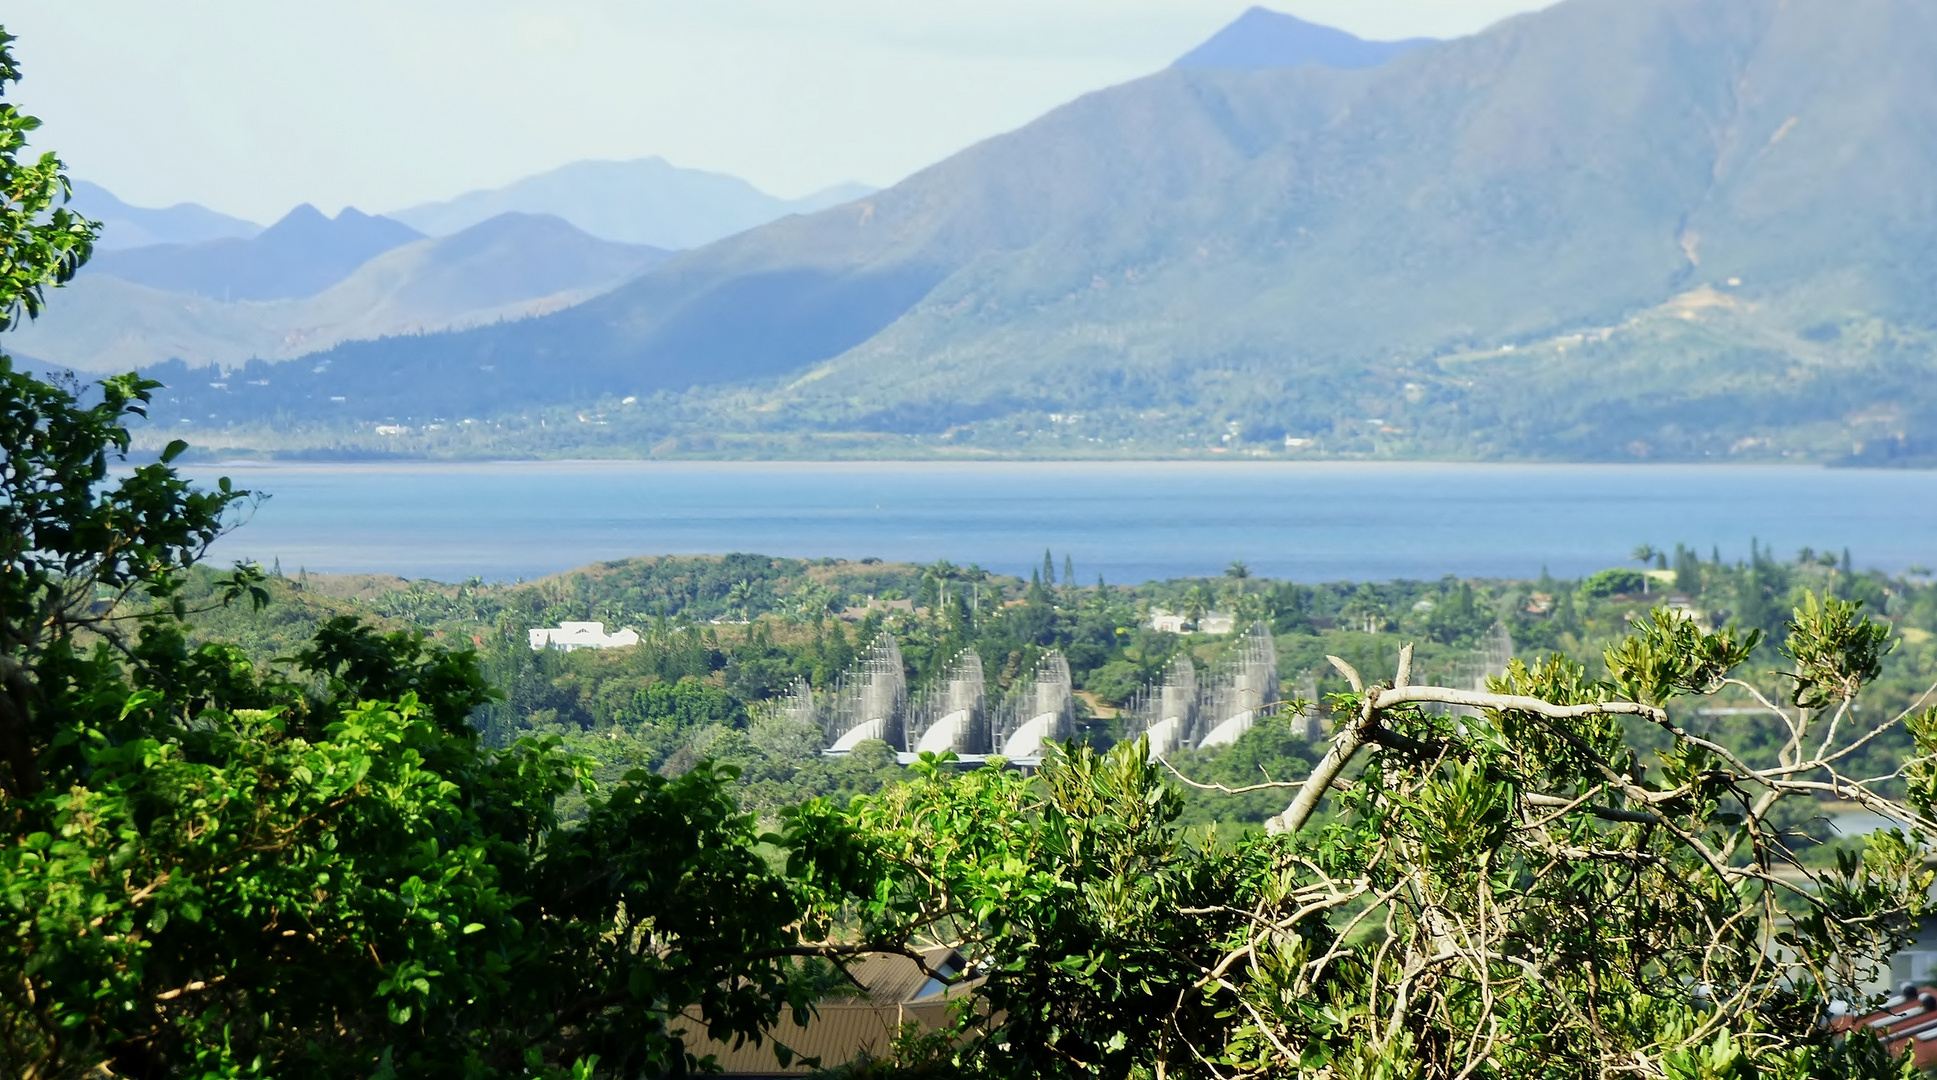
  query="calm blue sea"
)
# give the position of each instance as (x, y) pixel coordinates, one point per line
(1128, 521)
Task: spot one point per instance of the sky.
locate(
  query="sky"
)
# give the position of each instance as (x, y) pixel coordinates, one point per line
(254, 106)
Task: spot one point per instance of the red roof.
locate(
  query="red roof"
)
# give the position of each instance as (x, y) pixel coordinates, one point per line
(1908, 1020)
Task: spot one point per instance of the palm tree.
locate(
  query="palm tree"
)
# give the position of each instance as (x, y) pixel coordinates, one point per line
(740, 597)
(1239, 573)
(941, 574)
(1366, 609)
(1644, 555)
(813, 601)
(975, 576)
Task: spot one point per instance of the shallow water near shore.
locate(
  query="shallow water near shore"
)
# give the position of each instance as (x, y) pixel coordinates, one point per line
(1127, 521)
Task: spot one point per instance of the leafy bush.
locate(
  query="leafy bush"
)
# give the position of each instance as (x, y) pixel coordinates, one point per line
(215, 870)
(684, 704)
(1616, 582)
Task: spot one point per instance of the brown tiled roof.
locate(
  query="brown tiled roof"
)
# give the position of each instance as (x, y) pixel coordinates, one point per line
(837, 1034)
(899, 991)
(887, 977)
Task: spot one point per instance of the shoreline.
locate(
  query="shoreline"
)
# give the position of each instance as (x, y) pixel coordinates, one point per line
(187, 464)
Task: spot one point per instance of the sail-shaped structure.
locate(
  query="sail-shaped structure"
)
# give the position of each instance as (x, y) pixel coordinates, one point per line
(1166, 711)
(1311, 721)
(1040, 712)
(1496, 652)
(1242, 686)
(952, 714)
(799, 706)
(870, 700)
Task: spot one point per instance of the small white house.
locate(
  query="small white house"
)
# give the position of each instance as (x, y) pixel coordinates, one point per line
(1212, 622)
(1167, 622)
(568, 636)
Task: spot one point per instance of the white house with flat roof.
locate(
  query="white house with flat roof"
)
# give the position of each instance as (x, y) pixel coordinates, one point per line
(1211, 622)
(568, 636)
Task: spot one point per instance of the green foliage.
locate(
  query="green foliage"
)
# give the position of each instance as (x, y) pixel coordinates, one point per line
(220, 867)
(1920, 772)
(1505, 894)
(239, 875)
(45, 242)
(1670, 656)
(1274, 751)
(686, 703)
(584, 696)
(213, 868)
(1836, 651)
(1078, 897)
(1617, 581)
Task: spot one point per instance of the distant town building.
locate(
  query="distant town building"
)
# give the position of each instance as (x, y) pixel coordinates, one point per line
(1685, 606)
(1211, 622)
(569, 636)
(1907, 1022)
(890, 607)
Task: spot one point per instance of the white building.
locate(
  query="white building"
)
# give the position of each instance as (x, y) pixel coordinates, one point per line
(1212, 622)
(580, 635)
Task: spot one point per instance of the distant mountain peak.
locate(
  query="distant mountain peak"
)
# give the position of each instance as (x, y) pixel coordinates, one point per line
(1261, 38)
(300, 255)
(645, 200)
(308, 217)
(127, 226)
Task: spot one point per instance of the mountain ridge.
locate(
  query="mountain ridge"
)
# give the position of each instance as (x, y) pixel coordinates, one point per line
(511, 267)
(1330, 257)
(1261, 38)
(644, 201)
(128, 226)
(300, 255)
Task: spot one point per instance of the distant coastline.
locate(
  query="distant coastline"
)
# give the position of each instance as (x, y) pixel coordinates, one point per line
(220, 453)
(1129, 521)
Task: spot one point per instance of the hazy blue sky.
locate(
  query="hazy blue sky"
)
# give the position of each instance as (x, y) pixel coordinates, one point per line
(252, 106)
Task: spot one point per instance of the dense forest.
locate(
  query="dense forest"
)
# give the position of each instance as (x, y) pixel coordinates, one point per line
(722, 639)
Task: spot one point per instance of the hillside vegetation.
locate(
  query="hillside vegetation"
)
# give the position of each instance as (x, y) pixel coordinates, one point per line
(1690, 229)
(724, 639)
(250, 831)
(510, 267)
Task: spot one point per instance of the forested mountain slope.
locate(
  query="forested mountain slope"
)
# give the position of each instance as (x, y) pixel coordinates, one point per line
(1613, 227)
(512, 266)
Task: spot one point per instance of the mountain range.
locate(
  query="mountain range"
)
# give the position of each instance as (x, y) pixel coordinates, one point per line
(188, 283)
(299, 256)
(649, 201)
(1623, 229)
(512, 266)
(125, 226)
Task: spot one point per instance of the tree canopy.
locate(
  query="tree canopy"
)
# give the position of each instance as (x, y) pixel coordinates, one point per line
(219, 867)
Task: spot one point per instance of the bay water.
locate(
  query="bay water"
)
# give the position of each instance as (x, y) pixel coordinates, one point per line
(1126, 521)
